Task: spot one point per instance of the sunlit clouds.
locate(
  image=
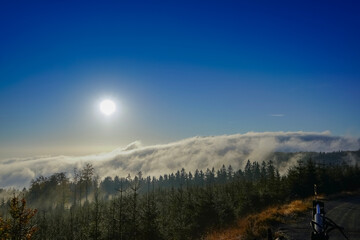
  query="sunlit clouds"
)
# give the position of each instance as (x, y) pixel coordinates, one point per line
(191, 153)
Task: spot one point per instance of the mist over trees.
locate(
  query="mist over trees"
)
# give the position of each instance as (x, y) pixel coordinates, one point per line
(284, 148)
(179, 205)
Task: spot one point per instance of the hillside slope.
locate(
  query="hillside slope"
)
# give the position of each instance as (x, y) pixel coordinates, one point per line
(292, 221)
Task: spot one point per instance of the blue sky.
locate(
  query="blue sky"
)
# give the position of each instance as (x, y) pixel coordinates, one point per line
(175, 70)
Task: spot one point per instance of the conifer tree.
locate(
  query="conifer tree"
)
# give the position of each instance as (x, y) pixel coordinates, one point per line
(19, 226)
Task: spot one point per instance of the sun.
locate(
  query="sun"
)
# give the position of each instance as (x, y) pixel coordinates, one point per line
(107, 107)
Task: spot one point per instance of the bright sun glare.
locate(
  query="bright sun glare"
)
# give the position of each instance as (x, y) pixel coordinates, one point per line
(107, 107)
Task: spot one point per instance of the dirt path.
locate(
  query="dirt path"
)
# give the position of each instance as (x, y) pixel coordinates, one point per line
(345, 212)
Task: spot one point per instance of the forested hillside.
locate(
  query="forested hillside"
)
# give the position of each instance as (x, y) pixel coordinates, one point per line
(180, 205)
(329, 158)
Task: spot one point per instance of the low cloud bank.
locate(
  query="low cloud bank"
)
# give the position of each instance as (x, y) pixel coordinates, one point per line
(192, 153)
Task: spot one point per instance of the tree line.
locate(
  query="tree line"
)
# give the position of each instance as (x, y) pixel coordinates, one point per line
(181, 205)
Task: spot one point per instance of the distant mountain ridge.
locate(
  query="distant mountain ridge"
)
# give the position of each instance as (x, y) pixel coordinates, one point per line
(283, 159)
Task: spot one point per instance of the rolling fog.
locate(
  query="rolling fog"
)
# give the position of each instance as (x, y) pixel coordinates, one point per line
(191, 153)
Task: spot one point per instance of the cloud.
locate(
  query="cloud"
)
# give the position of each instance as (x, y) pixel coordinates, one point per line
(191, 153)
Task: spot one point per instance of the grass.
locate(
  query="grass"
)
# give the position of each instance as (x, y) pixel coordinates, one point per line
(255, 226)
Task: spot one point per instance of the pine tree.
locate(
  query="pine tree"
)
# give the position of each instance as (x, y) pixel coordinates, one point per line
(87, 174)
(19, 227)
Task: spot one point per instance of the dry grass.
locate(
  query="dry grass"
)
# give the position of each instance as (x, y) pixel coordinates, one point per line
(256, 225)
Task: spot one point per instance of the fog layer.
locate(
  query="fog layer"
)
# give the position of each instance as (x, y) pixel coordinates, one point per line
(191, 153)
